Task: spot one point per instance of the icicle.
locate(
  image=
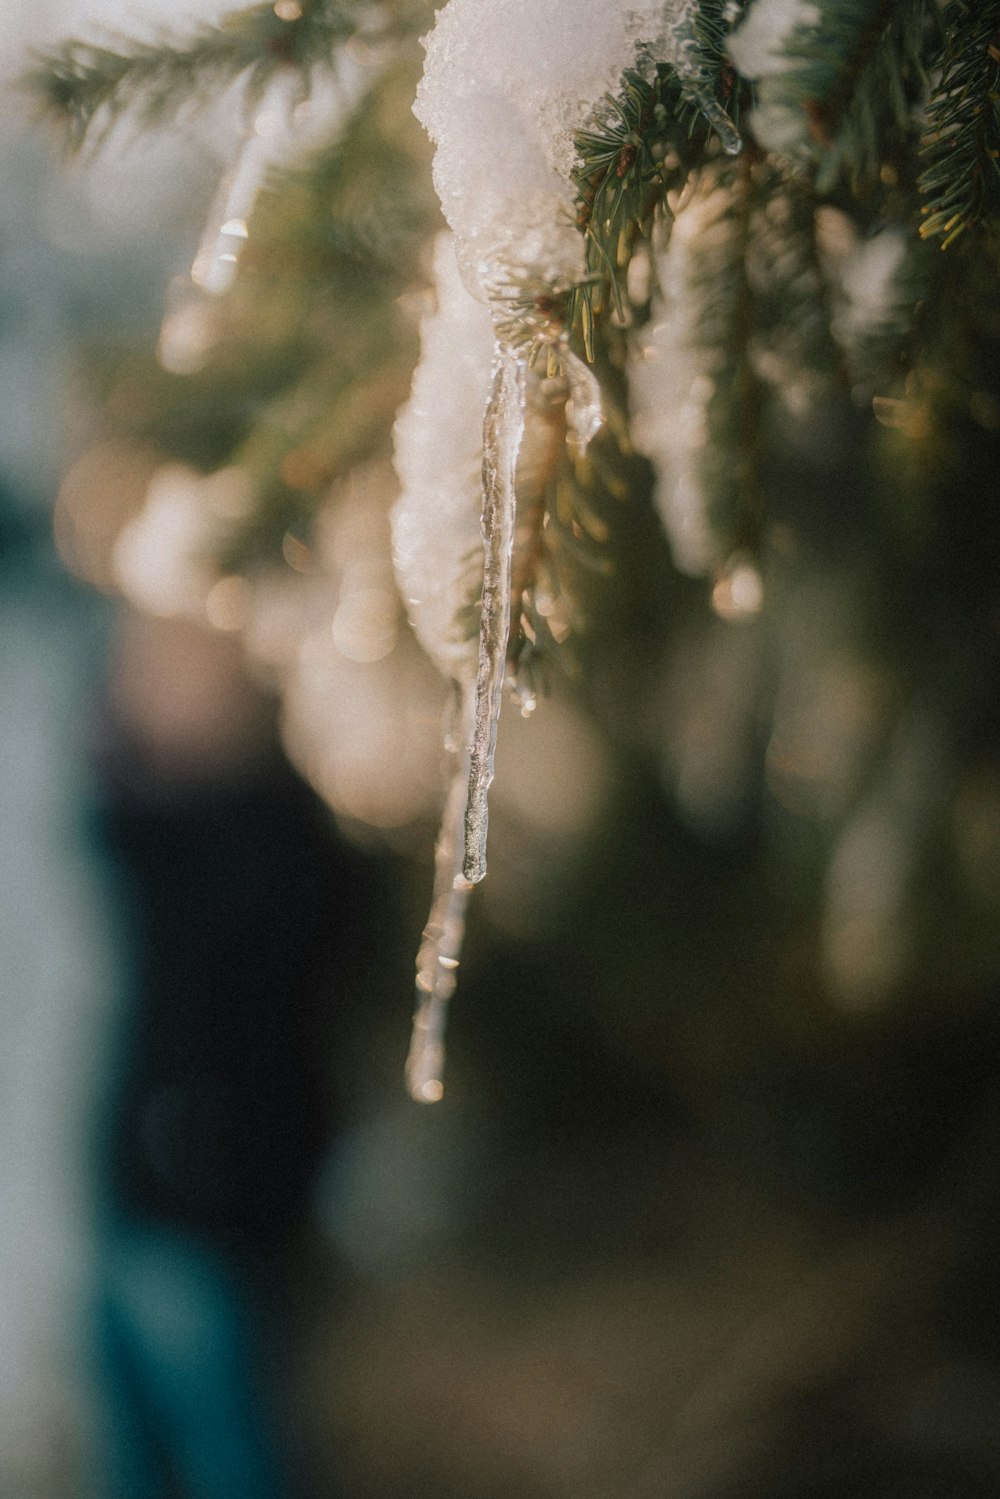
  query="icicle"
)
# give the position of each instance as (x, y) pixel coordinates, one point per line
(503, 426)
(226, 230)
(732, 141)
(584, 409)
(696, 73)
(189, 328)
(437, 960)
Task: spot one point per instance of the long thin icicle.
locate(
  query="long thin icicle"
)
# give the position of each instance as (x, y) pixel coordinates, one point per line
(440, 949)
(503, 426)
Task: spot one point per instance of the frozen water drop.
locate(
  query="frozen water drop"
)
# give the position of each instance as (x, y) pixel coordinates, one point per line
(584, 409)
(684, 47)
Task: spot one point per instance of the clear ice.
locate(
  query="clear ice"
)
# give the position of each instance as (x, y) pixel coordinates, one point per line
(440, 949)
(503, 426)
(680, 46)
(226, 231)
(732, 141)
(584, 409)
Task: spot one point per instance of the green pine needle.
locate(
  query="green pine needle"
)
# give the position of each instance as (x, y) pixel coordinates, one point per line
(961, 181)
(647, 142)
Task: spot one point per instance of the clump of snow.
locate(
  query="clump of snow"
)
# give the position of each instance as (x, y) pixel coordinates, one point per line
(672, 381)
(874, 283)
(757, 46)
(437, 545)
(505, 88)
(758, 49)
(869, 280)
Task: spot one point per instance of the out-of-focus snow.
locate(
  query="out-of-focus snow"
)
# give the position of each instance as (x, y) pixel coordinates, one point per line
(672, 380)
(439, 446)
(757, 46)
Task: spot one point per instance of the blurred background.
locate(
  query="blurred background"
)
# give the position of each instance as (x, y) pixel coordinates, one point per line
(710, 1206)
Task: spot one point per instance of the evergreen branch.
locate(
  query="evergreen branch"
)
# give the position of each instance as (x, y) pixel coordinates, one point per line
(642, 144)
(845, 42)
(698, 53)
(881, 350)
(531, 317)
(353, 218)
(961, 181)
(842, 100)
(795, 350)
(314, 347)
(87, 87)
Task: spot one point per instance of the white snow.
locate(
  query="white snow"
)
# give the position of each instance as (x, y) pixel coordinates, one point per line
(757, 50)
(671, 379)
(505, 88)
(437, 546)
(868, 281)
(757, 46)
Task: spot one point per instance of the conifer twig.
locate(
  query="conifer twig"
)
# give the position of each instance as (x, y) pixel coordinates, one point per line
(961, 181)
(88, 86)
(853, 70)
(643, 144)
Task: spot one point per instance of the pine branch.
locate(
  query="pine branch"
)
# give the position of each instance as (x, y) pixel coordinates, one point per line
(87, 87)
(641, 144)
(314, 348)
(353, 219)
(841, 102)
(703, 71)
(648, 140)
(845, 44)
(795, 352)
(882, 349)
(961, 182)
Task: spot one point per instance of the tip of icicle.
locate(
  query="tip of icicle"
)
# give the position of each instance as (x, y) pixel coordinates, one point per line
(428, 1090)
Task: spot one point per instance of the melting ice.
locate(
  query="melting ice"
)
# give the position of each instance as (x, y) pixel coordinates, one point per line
(440, 950)
(503, 427)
